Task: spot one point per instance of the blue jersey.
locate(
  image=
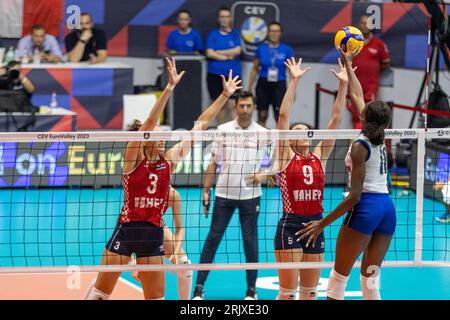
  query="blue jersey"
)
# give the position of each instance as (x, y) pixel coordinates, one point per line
(185, 43)
(219, 41)
(273, 58)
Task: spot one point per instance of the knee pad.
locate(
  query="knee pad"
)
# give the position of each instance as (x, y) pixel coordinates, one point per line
(185, 274)
(286, 294)
(95, 294)
(336, 285)
(308, 293)
(370, 287)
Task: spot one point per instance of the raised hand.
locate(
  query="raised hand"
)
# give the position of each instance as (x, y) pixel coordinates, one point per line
(174, 76)
(231, 85)
(347, 57)
(341, 75)
(295, 68)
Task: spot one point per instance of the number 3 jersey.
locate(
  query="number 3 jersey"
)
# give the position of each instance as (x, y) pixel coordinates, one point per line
(302, 184)
(146, 192)
(375, 179)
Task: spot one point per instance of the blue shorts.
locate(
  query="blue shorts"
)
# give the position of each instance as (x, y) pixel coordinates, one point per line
(375, 213)
(289, 225)
(139, 237)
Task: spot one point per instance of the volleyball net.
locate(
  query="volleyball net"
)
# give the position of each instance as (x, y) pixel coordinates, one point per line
(61, 195)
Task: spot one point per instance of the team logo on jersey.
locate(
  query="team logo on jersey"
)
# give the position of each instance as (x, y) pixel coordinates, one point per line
(146, 135)
(252, 19)
(310, 134)
(160, 166)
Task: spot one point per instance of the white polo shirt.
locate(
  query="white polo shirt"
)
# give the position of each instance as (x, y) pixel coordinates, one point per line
(238, 160)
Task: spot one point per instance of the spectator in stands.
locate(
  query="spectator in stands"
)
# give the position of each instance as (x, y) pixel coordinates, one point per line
(185, 39)
(223, 49)
(39, 43)
(370, 62)
(88, 43)
(11, 79)
(269, 60)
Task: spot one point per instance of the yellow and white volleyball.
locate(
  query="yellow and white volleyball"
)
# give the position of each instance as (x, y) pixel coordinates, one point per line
(349, 35)
(254, 30)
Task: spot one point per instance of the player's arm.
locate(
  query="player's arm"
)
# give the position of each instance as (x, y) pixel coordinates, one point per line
(354, 86)
(133, 148)
(182, 149)
(296, 72)
(175, 204)
(313, 229)
(208, 183)
(325, 147)
(253, 74)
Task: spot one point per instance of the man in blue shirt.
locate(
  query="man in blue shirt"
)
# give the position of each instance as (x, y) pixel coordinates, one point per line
(185, 39)
(269, 61)
(42, 43)
(223, 49)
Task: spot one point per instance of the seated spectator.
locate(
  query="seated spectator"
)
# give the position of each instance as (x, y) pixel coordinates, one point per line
(11, 79)
(185, 39)
(45, 44)
(88, 43)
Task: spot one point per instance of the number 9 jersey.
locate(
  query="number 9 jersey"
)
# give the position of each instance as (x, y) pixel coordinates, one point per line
(302, 185)
(375, 179)
(146, 192)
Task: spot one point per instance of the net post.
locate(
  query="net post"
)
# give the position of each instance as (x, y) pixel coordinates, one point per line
(418, 244)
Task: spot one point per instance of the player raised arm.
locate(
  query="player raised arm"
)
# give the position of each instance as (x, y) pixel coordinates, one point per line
(325, 147)
(296, 73)
(182, 149)
(354, 86)
(133, 147)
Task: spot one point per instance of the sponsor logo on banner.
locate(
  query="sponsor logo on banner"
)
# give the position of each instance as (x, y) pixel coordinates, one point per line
(146, 135)
(310, 134)
(252, 19)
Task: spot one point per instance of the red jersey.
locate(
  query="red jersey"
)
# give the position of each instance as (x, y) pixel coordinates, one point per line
(302, 184)
(146, 192)
(369, 62)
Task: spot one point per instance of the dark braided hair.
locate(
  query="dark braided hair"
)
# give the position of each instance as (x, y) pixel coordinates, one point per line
(377, 116)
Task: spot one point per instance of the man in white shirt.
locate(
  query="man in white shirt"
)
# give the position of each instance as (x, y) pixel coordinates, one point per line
(237, 187)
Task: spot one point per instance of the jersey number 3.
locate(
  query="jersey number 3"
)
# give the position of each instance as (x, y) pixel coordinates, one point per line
(152, 180)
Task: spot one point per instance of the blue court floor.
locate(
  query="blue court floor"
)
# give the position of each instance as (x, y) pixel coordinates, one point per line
(60, 227)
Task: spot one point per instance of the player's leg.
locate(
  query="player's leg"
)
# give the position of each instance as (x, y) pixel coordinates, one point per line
(287, 249)
(262, 101)
(350, 244)
(371, 265)
(288, 278)
(105, 282)
(376, 250)
(184, 276)
(309, 278)
(153, 282)
(248, 218)
(222, 213)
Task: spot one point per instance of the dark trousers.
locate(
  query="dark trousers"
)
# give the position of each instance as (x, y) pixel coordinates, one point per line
(248, 217)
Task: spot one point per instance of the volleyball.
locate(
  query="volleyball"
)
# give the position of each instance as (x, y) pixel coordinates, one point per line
(349, 35)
